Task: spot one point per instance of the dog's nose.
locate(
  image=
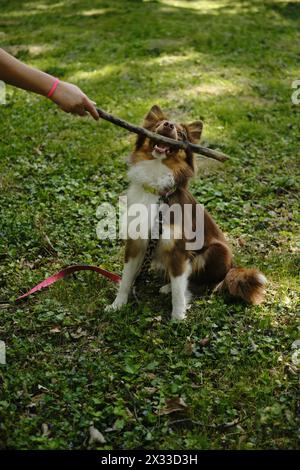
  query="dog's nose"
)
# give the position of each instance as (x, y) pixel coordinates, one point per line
(169, 125)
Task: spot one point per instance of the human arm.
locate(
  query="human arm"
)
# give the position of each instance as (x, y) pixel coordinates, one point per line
(66, 95)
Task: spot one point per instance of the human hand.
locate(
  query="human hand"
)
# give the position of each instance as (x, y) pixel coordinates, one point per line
(72, 100)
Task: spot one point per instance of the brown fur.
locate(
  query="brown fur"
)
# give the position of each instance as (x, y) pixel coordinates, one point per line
(244, 283)
(133, 247)
(212, 265)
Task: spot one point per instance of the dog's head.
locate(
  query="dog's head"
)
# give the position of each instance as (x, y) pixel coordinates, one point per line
(177, 159)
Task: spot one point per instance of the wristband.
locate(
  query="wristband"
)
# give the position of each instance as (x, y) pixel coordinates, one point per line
(53, 88)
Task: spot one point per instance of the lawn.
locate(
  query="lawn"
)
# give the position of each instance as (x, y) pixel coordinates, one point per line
(230, 368)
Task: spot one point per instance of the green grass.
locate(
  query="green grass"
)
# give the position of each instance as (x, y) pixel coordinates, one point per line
(69, 363)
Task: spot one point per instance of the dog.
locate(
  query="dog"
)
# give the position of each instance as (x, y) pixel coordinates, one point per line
(158, 171)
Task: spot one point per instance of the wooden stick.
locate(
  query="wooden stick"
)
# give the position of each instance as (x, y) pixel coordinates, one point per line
(221, 157)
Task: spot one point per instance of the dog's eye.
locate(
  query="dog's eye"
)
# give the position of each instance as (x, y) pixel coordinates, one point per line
(182, 135)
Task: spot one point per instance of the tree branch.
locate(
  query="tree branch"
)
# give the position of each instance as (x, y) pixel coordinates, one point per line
(216, 155)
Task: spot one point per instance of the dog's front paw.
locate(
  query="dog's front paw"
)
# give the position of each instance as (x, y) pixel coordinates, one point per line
(118, 303)
(178, 314)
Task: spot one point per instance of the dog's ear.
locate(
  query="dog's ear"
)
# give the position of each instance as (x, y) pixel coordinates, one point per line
(153, 117)
(194, 131)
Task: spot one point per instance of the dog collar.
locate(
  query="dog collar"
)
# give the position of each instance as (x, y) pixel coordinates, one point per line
(165, 193)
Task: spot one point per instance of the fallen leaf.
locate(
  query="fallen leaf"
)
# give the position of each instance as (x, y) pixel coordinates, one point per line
(203, 342)
(35, 400)
(193, 385)
(150, 390)
(41, 387)
(241, 242)
(56, 329)
(96, 436)
(110, 430)
(151, 376)
(27, 264)
(78, 334)
(230, 424)
(45, 430)
(39, 149)
(172, 405)
(158, 318)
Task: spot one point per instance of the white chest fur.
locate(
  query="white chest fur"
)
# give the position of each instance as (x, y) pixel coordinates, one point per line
(152, 173)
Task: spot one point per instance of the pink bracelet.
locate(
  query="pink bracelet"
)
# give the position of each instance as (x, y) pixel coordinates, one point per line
(53, 88)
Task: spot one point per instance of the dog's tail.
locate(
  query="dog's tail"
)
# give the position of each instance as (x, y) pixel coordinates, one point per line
(249, 284)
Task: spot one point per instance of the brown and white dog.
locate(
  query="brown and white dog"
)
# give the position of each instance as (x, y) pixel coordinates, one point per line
(154, 170)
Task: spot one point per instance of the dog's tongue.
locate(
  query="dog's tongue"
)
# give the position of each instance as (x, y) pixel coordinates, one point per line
(160, 149)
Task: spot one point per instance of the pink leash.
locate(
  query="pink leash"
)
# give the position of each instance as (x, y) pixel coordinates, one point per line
(69, 270)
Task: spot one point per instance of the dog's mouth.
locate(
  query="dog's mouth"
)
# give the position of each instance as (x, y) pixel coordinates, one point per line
(162, 149)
